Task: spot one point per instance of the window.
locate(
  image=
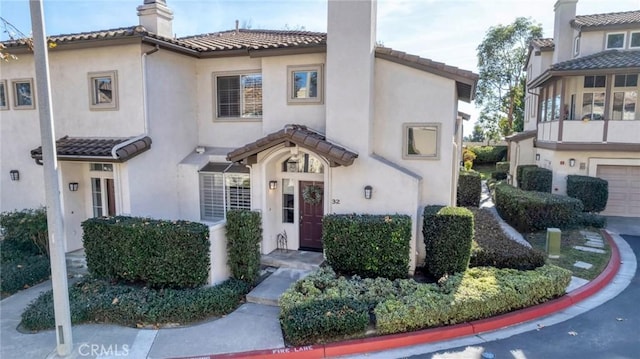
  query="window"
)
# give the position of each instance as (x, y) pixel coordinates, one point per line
(615, 40)
(238, 96)
(223, 186)
(593, 100)
(635, 40)
(576, 46)
(288, 201)
(421, 141)
(103, 197)
(4, 103)
(103, 87)
(303, 163)
(625, 94)
(595, 81)
(101, 167)
(304, 84)
(23, 94)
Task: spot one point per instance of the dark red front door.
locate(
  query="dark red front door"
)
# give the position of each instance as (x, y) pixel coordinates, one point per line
(311, 217)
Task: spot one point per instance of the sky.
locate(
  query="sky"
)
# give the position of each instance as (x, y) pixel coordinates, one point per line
(447, 31)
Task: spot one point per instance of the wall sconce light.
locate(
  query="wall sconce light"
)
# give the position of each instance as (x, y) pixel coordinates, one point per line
(367, 191)
(15, 175)
(572, 162)
(537, 157)
(73, 186)
(273, 184)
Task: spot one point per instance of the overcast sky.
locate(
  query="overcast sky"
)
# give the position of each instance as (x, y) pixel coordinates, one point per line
(448, 31)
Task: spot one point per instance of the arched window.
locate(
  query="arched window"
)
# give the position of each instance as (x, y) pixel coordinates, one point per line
(304, 163)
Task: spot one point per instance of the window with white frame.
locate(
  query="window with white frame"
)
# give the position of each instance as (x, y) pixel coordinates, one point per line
(593, 97)
(634, 42)
(421, 141)
(615, 40)
(576, 46)
(238, 95)
(23, 96)
(223, 186)
(4, 102)
(625, 97)
(103, 90)
(304, 84)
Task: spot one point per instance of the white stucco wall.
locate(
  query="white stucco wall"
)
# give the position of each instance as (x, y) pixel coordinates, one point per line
(580, 131)
(623, 132)
(75, 210)
(520, 153)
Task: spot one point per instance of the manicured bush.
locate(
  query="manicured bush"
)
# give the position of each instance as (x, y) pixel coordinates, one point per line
(592, 191)
(519, 170)
(320, 321)
(499, 176)
(21, 273)
(27, 229)
(529, 211)
(536, 179)
(448, 232)
(469, 189)
(489, 154)
(100, 301)
(492, 247)
(244, 234)
(593, 220)
(158, 253)
(502, 167)
(368, 245)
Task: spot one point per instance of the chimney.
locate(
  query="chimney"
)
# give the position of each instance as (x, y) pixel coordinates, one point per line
(563, 33)
(156, 17)
(351, 36)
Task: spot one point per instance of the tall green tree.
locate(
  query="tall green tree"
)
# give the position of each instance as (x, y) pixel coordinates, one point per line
(501, 87)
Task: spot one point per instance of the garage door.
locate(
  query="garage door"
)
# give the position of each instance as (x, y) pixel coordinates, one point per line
(624, 190)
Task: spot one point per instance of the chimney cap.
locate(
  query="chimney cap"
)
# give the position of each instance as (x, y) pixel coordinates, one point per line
(163, 2)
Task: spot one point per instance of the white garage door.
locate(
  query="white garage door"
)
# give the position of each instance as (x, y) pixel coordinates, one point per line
(624, 190)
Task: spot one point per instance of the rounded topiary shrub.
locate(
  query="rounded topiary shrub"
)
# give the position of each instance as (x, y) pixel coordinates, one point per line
(592, 191)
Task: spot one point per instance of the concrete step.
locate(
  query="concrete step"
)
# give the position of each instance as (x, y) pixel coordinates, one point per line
(293, 259)
(76, 263)
(269, 291)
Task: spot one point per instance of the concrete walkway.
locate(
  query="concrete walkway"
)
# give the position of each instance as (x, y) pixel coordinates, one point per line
(486, 201)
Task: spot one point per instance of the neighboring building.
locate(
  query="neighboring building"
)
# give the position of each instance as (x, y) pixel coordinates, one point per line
(187, 128)
(581, 106)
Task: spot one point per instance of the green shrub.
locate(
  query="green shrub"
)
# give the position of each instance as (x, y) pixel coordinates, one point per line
(536, 179)
(93, 300)
(519, 170)
(492, 247)
(593, 220)
(244, 234)
(368, 245)
(159, 253)
(592, 191)
(27, 229)
(499, 176)
(530, 211)
(502, 167)
(489, 154)
(24, 272)
(475, 294)
(448, 232)
(469, 189)
(320, 321)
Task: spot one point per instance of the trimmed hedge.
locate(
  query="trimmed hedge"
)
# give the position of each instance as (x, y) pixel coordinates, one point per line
(492, 247)
(158, 253)
(475, 294)
(502, 167)
(489, 154)
(469, 189)
(244, 234)
(592, 191)
(21, 273)
(27, 229)
(499, 176)
(531, 211)
(100, 301)
(593, 220)
(448, 233)
(519, 170)
(368, 245)
(536, 179)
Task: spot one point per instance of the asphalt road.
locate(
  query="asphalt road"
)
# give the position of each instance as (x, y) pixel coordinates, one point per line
(609, 331)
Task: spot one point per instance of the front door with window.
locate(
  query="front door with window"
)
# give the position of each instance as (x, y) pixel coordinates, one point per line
(311, 205)
(103, 196)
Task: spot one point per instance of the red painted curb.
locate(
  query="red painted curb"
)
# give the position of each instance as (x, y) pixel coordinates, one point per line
(304, 352)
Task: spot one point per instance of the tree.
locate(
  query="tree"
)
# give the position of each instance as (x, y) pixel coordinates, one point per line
(501, 87)
(477, 135)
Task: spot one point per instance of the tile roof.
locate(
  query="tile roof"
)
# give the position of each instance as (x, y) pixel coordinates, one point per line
(301, 136)
(609, 19)
(87, 148)
(254, 40)
(543, 43)
(610, 59)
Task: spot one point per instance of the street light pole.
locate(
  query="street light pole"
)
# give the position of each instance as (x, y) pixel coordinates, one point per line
(55, 221)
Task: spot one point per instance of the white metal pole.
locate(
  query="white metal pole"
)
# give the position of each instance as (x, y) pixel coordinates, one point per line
(55, 220)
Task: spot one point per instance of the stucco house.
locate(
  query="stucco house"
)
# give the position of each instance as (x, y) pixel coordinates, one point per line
(187, 128)
(581, 106)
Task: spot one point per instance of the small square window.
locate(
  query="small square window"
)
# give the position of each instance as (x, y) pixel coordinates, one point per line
(238, 96)
(615, 40)
(4, 102)
(635, 40)
(23, 96)
(595, 81)
(626, 80)
(421, 141)
(304, 84)
(103, 87)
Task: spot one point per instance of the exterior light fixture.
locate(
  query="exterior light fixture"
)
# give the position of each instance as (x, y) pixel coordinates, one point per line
(367, 191)
(572, 162)
(537, 157)
(73, 186)
(15, 175)
(273, 184)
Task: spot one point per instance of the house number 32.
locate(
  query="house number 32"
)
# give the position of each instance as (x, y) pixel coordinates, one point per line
(335, 201)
